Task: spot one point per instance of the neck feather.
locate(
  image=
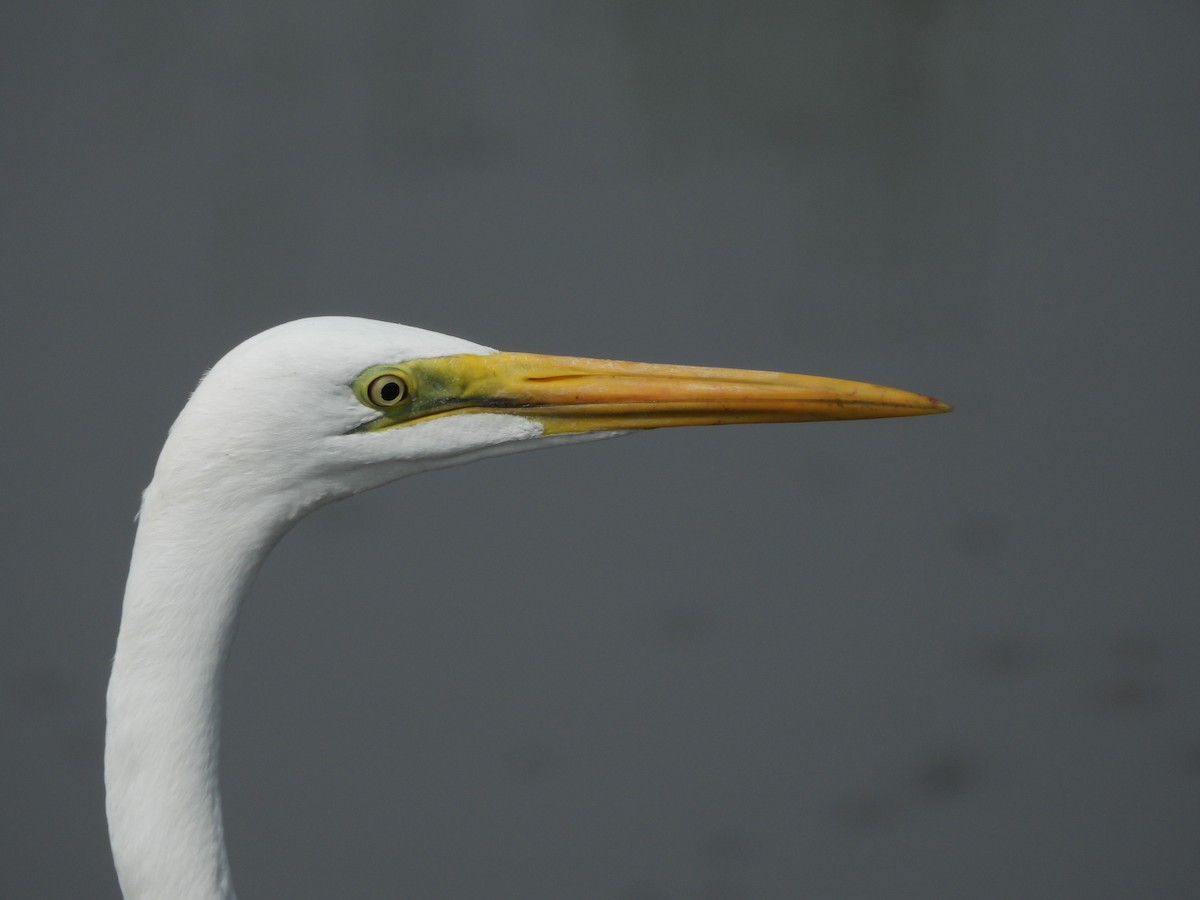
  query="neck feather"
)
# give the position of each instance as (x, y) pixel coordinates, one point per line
(192, 564)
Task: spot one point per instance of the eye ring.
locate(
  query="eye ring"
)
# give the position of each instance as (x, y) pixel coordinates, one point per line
(387, 391)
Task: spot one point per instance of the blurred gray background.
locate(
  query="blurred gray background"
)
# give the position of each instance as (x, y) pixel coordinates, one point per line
(951, 657)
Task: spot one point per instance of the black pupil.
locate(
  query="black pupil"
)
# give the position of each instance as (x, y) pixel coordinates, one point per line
(389, 391)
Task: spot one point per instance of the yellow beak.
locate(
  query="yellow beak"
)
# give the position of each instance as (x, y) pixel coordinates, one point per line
(571, 394)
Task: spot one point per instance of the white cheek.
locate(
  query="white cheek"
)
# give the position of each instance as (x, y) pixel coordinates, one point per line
(471, 431)
(451, 436)
(356, 416)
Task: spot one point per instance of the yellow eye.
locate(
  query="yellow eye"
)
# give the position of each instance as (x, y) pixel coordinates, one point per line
(387, 390)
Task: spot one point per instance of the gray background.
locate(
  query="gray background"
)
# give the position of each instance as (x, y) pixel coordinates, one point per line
(952, 657)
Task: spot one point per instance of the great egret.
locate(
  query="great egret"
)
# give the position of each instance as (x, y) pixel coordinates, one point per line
(307, 413)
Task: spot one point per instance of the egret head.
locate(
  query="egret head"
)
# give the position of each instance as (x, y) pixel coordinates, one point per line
(322, 408)
(306, 413)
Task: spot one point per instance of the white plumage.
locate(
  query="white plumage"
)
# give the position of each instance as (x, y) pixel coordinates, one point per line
(288, 421)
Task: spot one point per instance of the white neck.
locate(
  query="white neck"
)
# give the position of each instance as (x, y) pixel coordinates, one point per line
(192, 564)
